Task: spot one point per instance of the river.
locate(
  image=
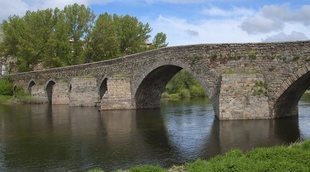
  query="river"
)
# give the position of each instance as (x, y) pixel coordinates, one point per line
(62, 138)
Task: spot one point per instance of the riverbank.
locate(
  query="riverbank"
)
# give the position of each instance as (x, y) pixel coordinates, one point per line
(294, 157)
(19, 99)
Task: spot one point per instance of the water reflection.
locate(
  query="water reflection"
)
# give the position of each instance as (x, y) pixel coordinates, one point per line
(62, 138)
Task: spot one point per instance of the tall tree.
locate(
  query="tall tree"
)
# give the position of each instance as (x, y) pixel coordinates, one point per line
(79, 19)
(26, 38)
(55, 37)
(116, 35)
(103, 42)
(159, 40)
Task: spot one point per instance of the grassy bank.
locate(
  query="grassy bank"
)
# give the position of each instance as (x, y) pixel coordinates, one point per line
(295, 157)
(20, 99)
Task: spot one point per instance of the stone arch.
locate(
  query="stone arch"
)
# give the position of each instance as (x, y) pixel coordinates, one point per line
(103, 87)
(30, 85)
(148, 87)
(49, 90)
(290, 92)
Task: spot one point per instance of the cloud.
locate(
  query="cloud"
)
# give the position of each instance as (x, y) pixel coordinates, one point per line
(19, 7)
(192, 32)
(234, 12)
(272, 18)
(259, 24)
(176, 1)
(281, 37)
(210, 31)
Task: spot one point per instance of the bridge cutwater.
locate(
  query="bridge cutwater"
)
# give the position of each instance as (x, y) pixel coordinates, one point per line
(243, 81)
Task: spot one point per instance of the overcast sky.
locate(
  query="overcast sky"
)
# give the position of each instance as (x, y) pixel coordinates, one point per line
(198, 21)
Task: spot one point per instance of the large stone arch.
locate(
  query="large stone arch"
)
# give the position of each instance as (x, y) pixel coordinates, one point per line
(290, 92)
(49, 90)
(150, 80)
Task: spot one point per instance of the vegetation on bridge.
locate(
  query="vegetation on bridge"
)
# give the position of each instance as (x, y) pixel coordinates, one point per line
(279, 158)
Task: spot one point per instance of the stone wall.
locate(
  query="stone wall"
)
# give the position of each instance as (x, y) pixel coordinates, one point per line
(83, 91)
(118, 95)
(243, 96)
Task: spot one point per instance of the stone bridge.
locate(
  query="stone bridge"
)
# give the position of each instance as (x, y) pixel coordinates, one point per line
(243, 81)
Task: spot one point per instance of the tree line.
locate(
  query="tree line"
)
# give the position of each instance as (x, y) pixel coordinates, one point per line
(73, 35)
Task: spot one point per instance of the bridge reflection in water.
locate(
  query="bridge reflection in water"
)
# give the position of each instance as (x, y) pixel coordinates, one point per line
(68, 138)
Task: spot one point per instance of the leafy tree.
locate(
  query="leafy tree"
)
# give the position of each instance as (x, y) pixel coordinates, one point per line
(159, 40)
(26, 38)
(184, 83)
(103, 42)
(1, 33)
(116, 35)
(53, 37)
(79, 20)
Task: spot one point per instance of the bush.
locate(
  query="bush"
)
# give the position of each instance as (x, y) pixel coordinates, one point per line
(147, 168)
(197, 91)
(184, 93)
(20, 92)
(6, 87)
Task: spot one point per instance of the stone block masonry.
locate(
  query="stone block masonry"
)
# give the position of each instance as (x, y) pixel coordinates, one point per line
(243, 81)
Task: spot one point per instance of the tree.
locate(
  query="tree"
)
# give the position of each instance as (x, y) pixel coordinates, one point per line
(103, 42)
(159, 40)
(79, 21)
(1, 33)
(26, 38)
(116, 35)
(53, 37)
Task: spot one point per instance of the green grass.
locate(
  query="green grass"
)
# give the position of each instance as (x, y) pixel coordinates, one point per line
(18, 99)
(295, 157)
(5, 99)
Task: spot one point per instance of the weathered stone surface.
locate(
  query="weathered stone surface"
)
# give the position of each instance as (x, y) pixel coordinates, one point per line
(283, 67)
(83, 91)
(118, 95)
(238, 99)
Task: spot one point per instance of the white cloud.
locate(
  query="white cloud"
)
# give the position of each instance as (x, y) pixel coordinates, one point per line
(222, 31)
(19, 7)
(259, 24)
(234, 12)
(280, 37)
(274, 18)
(210, 31)
(176, 1)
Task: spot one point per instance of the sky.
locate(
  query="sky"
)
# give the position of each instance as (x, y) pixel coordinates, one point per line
(198, 21)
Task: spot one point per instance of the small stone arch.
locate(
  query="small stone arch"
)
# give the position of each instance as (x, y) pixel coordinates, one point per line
(290, 92)
(103, 87)
(30, 85)
(49, 90)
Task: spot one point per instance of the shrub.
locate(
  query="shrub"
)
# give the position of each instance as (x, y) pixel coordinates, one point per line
(6, 87)
(184, 93)
(197, 91)
(147, 168)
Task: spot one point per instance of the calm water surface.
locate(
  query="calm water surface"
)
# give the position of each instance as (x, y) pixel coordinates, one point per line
(62, 138)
